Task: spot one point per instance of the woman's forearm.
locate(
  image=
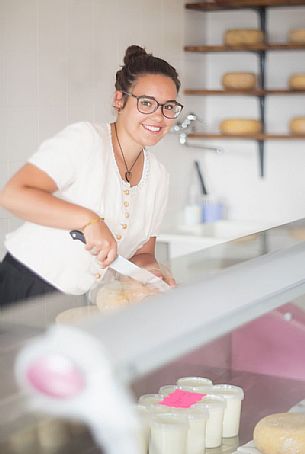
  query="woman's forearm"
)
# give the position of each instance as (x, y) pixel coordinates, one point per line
(40, 207)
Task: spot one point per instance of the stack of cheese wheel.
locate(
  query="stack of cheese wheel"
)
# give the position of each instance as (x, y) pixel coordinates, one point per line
(243, 36)
(297, 81)
(239, 81)
(280, 433)
(240, 126)
(297, 36)
(297, 125)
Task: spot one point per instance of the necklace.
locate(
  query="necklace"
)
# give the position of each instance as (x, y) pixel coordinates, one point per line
(128, 173)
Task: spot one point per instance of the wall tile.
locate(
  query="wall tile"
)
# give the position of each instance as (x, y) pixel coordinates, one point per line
(20, 80)
(52, 85)
(20, 26)
(52, 119)
(22, 133)
(52, 27)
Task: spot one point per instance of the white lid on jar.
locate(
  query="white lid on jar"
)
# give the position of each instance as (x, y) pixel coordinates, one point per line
(211, 401)
(167, 389)
(194, 381)
(149, 399)
(229, 391)
(204, 389)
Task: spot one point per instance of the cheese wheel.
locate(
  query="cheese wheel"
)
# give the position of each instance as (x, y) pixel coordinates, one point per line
(280, 433)
(297, 35)
(239, 81)
(297, 125)
(240, 126)
(118, 294)
(240, 36)
(297, 81)
(76, 314)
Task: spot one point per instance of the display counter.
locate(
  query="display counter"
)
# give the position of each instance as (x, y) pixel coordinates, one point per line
(237, 317)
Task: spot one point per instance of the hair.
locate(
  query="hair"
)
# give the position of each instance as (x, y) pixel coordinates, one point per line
(138, 62)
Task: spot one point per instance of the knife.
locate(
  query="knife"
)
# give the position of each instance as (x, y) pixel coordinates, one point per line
(127, 268)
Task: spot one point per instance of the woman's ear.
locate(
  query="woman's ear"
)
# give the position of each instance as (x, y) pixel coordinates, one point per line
(118, 100)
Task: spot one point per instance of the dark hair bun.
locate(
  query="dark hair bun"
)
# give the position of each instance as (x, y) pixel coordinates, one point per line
(133, 52)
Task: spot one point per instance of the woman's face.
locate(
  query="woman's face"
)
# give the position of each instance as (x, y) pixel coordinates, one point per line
(146, 129)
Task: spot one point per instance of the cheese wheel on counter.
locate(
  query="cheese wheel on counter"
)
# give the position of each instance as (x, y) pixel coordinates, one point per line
(297, 81)
(240, 126)
(239, 81)
(240, 36)
(76, 314)
(297, 125)
(280, 433)
(297, 35)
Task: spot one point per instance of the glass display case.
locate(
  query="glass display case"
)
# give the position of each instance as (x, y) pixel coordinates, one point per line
(237, 316)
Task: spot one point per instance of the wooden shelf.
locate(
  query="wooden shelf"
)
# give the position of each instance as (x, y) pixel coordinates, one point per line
(203, 135)
(241, 4)
(258, 92)
(244, 48)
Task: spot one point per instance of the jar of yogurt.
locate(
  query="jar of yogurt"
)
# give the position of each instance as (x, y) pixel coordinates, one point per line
(144, 428)
(196, 435)
(168, 433)
(149, 399)
(215, 405)
(167, 389)
(233, 396)
(195, 384)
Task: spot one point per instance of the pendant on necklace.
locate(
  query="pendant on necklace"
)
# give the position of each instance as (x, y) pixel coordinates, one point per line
(128, 176)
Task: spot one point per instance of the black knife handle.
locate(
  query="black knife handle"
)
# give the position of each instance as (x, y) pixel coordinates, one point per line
(78, 235)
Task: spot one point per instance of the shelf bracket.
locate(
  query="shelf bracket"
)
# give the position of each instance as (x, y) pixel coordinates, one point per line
(261, 157)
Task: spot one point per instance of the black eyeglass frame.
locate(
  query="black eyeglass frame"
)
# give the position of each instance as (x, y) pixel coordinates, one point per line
(157, 106)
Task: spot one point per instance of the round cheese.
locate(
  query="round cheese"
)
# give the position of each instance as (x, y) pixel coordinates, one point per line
(297, 125)
(240, 126)
(118, 294)
(243, 36)
(297, 81)
(297, 35)
(239, 81)
(76, 314)
(280, 433)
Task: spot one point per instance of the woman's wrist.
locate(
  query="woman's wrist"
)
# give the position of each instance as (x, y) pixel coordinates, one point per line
(91, 221)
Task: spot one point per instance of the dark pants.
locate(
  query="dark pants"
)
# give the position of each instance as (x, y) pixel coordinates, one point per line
(19, 283)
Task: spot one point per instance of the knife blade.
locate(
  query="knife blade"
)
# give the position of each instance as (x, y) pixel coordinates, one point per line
(127, 268)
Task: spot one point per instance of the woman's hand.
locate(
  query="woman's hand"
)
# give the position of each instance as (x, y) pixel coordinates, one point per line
(100, 242)
(149, 262)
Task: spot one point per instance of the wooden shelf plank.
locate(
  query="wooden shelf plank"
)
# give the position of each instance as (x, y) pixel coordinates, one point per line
(211, 5)
(244, 48)
(203, 135)
(255, 92)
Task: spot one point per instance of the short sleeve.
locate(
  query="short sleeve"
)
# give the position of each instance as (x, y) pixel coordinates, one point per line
(161, 202)
(63, 155)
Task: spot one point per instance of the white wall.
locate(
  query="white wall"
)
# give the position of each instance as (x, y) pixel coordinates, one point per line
(58, 60)
(280, 196)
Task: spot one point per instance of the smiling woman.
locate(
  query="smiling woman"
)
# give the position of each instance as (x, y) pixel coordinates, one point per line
(96, 178)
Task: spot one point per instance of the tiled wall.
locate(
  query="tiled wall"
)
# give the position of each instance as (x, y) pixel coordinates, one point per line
(57, 65)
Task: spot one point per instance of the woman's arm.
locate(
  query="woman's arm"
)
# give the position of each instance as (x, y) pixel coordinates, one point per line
(29, 195)
(145, 257)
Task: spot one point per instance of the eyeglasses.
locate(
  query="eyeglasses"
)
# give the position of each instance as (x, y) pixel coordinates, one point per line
(148, 104)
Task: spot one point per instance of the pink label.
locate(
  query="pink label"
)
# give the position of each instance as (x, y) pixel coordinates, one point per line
(181, 399)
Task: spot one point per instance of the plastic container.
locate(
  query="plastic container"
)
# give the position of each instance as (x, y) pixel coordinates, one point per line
(196, 435)
(144, 429)
(168, 433)
(215, 405)
(233, 396)
(148, 400)
(195, 384)
(167, 389)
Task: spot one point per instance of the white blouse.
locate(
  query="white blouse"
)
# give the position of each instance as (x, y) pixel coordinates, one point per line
(81, 161)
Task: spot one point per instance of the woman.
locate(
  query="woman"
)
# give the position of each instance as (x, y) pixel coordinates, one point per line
(98, 179)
